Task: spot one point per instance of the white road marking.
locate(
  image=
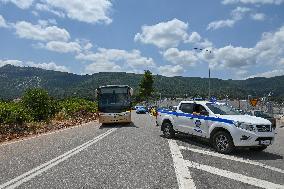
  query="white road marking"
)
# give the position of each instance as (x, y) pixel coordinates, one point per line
(44, 134)
(182, 173)
(233, 158)
(44, 167)
(234, 176)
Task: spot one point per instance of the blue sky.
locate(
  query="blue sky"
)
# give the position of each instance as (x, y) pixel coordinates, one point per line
(239, 38)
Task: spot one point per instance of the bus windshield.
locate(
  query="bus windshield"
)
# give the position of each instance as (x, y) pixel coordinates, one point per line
(109, 99)
(114, 99)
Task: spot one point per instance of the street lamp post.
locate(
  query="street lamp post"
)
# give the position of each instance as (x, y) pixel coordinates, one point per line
(248, 102)
(209, 72)
(209, 84)
(160, 98)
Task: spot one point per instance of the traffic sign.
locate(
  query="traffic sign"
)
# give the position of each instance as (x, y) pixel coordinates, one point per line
(253, 101)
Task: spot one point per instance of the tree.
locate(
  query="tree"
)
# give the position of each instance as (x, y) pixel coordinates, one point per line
(39, 104)
(146, 85)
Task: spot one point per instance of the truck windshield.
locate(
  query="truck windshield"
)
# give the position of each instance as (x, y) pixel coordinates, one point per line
(222, 109)
(260, 114)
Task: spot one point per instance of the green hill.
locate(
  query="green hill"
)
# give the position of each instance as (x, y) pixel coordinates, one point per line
(15, 80)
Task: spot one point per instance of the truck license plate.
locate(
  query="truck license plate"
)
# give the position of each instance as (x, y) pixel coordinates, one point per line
(265, 142)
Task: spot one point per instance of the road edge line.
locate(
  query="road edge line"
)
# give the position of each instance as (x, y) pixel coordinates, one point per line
(44, 167)
(44, 134)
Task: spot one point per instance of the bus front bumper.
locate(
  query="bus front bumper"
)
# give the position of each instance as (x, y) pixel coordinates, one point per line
(123, 117)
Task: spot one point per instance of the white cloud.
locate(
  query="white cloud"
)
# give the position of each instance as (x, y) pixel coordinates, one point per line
(90, 11)
(102, 67)
(175, 56)
(116, 60)
(42, 33)
(132, 59)
(78, 46)
(194, 37)
(46, 66)
(276, 2)
(232, 57)
(258, 16)
(237, 14)
(62, 47)
(11, 62)
(47, 8)
(197, 40)
(170, 34)
(88, 46)
(170, 70)
(267, 53)
(281, 61)
(164, 34)
(272, 73)
(270, 48)
(221, 24)
(3, 22)
(23, 4)
(47, 22)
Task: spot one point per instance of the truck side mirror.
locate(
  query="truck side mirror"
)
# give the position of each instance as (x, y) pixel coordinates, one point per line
(204, 112)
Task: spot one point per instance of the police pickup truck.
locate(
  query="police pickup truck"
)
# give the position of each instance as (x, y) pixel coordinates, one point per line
(223, 126)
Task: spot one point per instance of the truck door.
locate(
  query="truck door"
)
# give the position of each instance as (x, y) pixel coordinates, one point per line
(183, 119)
(200, 125)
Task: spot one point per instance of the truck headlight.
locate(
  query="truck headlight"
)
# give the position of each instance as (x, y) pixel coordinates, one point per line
(244, 126)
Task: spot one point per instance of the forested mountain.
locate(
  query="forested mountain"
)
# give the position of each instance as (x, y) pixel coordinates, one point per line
(15, 80)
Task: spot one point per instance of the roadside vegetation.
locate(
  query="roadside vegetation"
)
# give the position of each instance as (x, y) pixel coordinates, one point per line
(37, 112)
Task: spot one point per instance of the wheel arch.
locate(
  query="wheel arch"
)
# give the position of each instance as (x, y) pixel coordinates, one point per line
(217, 129)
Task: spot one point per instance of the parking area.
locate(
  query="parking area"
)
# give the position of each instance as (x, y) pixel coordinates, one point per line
(199, 166)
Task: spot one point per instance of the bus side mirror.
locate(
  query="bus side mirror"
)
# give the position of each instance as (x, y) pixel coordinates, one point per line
(131, 91)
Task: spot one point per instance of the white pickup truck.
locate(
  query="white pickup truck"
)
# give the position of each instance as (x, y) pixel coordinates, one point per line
(224, 127)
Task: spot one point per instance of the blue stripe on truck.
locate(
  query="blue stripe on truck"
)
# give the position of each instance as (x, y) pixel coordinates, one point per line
(198, 116)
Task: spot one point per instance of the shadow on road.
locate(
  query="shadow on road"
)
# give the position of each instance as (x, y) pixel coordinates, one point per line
(239, 152)
(195, 141)
(118, 125)
(264, 155)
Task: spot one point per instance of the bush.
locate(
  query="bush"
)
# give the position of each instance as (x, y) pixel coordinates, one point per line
(39, 104)
(75, 106)
(13, 113)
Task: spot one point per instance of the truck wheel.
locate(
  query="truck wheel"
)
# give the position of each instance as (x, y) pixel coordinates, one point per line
(258, 148)
(223, 142)
(168, 130)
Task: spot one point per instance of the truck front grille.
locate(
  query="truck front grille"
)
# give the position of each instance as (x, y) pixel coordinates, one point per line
(263, 128)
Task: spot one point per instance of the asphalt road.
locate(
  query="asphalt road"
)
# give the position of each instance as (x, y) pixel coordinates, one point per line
(135, 156)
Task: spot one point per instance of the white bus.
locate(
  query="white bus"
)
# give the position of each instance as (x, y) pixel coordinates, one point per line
(114, 103)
